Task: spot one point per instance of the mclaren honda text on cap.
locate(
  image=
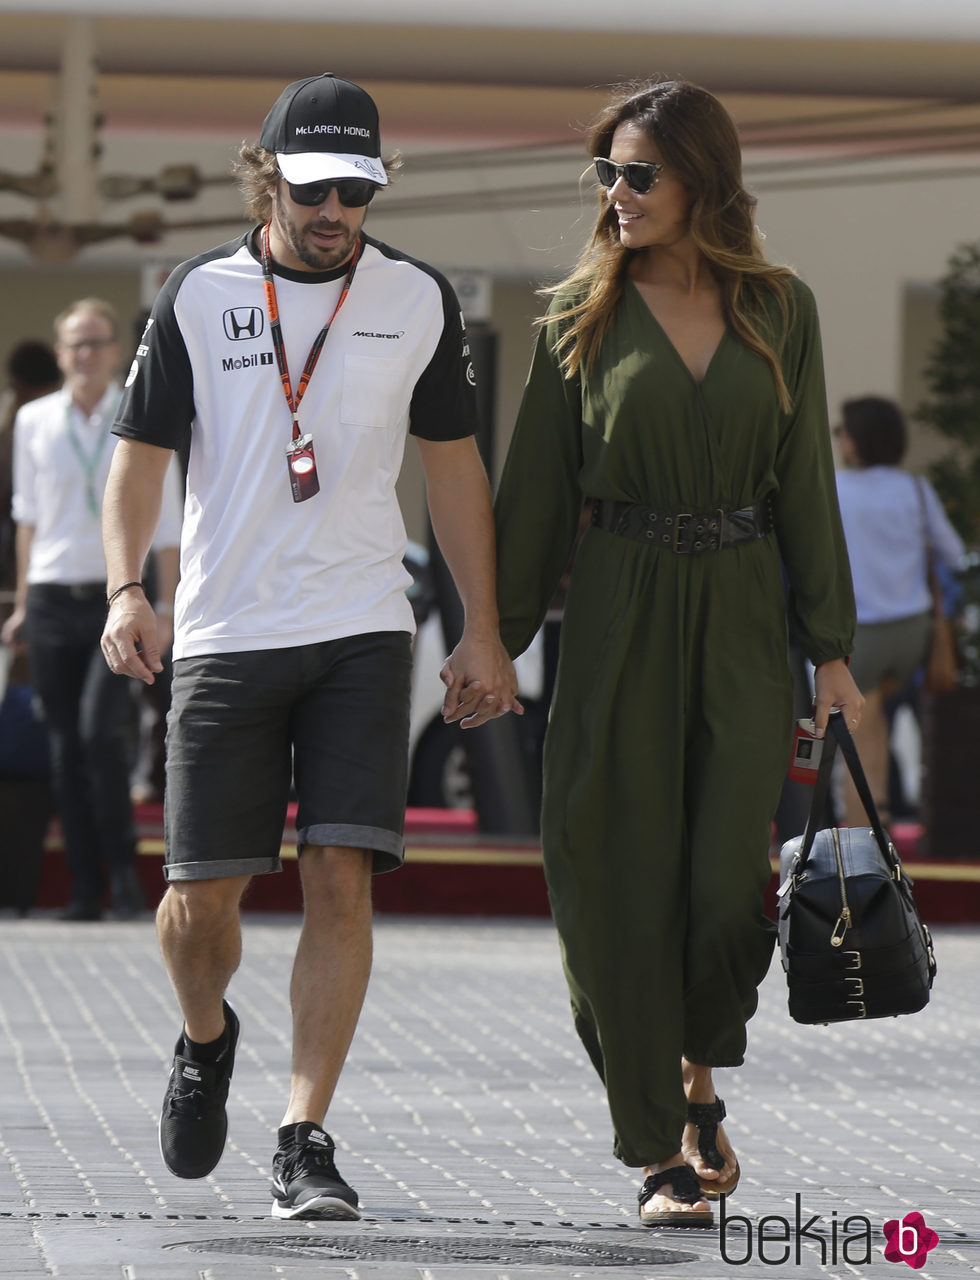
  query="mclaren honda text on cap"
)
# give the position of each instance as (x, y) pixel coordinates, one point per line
(325, 128)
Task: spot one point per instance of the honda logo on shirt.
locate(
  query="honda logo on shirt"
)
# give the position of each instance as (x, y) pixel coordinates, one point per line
(244, 322)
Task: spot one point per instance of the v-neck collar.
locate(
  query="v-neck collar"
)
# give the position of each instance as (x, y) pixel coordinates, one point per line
(697, 382)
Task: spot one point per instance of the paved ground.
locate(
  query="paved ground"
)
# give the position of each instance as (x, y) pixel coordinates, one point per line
(468, 1120)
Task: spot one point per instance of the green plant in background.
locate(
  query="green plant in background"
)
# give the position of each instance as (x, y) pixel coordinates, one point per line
(968, 622)
(952, 376)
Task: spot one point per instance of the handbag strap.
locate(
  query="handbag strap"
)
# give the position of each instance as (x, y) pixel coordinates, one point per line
(838, 734)
(932, 575)
(920, 493)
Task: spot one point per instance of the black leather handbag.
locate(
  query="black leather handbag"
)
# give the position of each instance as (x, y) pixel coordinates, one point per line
(850, 937)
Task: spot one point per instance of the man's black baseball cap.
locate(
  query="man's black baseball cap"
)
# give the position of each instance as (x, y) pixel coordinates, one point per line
(325, 128)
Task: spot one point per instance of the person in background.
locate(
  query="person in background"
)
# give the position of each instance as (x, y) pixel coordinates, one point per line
(62, 453)
(678, 385)
(25, 787)
(891, 520)
(32, 371)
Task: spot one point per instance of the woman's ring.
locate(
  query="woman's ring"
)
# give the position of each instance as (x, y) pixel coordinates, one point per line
(853, 722)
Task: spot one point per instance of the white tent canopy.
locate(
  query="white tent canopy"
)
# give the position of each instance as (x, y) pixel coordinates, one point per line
(868, 19)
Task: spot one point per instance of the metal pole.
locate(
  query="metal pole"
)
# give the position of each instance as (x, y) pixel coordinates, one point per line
(76, 115)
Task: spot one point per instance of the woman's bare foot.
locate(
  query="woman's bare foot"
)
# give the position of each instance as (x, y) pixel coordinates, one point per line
(699, 1087)
(662, 1206)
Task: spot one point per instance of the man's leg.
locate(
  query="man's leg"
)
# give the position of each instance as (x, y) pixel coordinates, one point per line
(228, 772)
(200, 937)
(199, 929)
(350, 753)
(330, 976)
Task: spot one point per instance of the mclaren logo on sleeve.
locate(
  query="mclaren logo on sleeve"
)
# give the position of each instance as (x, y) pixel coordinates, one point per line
(242, 323)
(470, 371)
(141, 351)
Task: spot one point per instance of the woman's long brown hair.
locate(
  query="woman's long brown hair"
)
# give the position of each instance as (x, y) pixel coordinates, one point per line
(699, 143)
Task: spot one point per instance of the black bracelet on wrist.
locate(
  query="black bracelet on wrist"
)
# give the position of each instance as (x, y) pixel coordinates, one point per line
(125, 587)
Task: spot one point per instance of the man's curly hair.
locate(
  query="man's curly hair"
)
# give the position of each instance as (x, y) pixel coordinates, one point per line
(256, 171)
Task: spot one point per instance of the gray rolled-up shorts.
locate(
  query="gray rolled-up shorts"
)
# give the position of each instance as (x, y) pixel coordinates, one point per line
(330, 719)
(890, 651)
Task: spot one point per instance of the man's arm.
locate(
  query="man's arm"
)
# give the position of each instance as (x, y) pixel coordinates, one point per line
(478, 674)
(23, 541)
(130, 511)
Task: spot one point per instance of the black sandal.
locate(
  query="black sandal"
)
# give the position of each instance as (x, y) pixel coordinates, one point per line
(683, 1183)
(707, 1116)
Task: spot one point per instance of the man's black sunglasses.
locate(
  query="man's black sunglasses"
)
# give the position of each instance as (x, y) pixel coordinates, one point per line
(639, 175)
(353, 193)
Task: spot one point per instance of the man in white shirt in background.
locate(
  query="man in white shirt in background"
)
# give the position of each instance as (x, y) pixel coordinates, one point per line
(62, 451)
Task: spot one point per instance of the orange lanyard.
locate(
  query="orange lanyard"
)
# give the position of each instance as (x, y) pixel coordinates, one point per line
(272, 307)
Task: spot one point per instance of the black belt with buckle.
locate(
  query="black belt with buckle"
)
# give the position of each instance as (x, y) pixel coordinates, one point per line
(683, 531)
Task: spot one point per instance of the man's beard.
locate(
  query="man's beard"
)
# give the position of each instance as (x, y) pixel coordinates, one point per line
(318, 259)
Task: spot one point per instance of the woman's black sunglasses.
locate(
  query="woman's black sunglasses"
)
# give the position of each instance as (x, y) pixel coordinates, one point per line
(353, 193)
(639, 175)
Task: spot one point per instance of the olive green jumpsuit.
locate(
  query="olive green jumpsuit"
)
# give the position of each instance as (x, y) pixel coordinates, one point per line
(669, 733)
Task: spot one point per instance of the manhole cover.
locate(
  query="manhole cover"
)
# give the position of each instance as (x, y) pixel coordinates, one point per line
(496, 1250)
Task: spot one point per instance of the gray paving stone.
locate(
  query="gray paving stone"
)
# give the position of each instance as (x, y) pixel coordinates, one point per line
(467, 1118)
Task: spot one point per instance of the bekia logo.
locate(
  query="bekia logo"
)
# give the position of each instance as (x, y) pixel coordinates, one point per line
(777, 1241)
(909, 1240)
(242, 323)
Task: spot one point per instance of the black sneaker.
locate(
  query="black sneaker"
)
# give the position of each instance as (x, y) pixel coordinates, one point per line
(305, 1181)
(194, 1124)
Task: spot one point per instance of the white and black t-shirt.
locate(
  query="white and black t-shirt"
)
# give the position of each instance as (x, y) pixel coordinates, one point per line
(258, 570)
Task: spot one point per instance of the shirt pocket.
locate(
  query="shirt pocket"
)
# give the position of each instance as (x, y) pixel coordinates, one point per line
(374, 392)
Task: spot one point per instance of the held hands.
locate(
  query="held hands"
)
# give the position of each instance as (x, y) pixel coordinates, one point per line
(131, 641)
(480, 682)
(834, 687)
